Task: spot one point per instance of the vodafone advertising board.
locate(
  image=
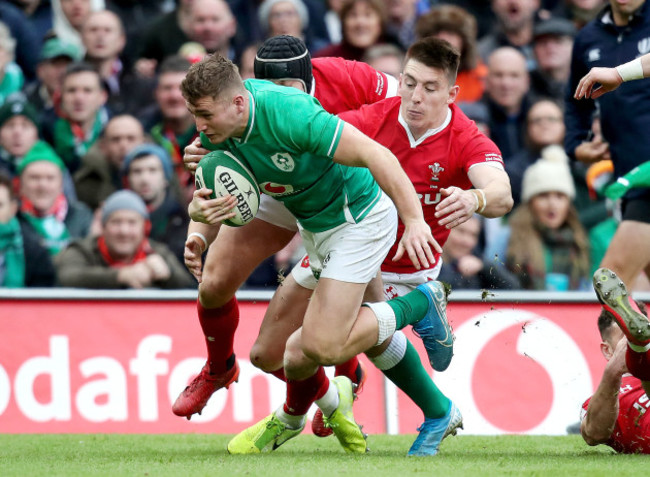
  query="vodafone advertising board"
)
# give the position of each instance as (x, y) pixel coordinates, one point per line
(83, 366)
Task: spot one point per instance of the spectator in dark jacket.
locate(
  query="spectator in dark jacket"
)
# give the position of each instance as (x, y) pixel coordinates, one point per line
(23, 261)
(464, 270)
(618, 35)
(147, 171)
(122, 256)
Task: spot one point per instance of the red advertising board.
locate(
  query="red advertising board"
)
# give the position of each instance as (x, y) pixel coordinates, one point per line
(116, 366)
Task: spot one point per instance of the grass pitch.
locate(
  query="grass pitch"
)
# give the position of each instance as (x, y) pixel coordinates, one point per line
(202, 455)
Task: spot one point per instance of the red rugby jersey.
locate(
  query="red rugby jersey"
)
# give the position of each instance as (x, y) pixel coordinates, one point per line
(436, 161)
(632, 430)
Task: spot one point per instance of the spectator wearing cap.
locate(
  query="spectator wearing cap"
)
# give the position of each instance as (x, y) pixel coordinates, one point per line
(147, 171)
(24, 262)
(288, 17)
(18, 132)
(11, 76)
(122, 256)
(100, 172)
(552, 46)
(43, 205)
(55, 57)
(548, 247)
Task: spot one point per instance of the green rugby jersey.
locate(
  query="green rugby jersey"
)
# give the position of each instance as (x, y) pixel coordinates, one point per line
(288, 145)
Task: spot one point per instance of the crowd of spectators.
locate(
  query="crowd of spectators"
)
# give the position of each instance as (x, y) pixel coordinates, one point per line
(90, 109)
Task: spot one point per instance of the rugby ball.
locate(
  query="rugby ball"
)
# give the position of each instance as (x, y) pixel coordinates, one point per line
(224, 174)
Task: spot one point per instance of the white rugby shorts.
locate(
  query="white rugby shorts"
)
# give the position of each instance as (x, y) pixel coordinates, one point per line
(350, 253)
(276, 213)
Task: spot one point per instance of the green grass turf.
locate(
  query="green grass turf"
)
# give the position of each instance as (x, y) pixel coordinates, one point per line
(205, 455)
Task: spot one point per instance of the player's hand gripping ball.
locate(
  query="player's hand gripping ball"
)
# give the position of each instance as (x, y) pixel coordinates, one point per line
(224, 174)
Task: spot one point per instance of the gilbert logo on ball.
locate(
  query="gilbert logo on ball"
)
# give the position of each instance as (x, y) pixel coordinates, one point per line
(224, 174)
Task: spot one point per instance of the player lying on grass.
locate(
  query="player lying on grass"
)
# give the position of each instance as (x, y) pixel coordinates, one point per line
(616, 415)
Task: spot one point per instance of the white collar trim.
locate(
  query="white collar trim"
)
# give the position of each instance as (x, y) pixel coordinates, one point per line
(413, 143)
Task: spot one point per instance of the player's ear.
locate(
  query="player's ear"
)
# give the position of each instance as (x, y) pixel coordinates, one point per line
(607, 350)
(453, 93)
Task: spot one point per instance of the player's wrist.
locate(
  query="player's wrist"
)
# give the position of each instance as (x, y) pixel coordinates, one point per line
(199, 238)
(632, 70)
(481, 200)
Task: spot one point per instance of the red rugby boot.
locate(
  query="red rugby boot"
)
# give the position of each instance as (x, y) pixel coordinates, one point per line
(196, 395)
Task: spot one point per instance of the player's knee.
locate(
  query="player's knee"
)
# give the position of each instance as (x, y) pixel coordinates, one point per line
(213, 292)
(266, 358)
(326, 354)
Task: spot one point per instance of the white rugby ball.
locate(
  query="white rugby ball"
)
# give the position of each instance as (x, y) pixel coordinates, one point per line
(224, 174)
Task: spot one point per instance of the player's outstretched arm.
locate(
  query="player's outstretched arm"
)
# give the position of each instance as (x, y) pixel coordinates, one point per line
(598, 424)
(609, 79)
(357, 150)
(492, 197)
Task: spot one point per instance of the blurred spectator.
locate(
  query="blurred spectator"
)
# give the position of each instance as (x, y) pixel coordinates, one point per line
(170, 124)
(477, 112)
(69, 17)
(164, 37)
(548, 247)
(333, 20)
(386, 57)
(402, 15)
(247, 61)
(479, 9)
(507, 99)
(18, 132)
(104, 39)
(38, 14)
(552, 46)
(288, 17)
(23, 261)
(363, 25)
(464, 270)
(78, 123)
(122, 256)
(580, 12)
(515, 21)
(458, 27)
(147, 171)
(11, 76)
(136, 17)
(28, 44)
(44, 206)
(544, 127)
(56, 56)
(213, 25)
(99, 175)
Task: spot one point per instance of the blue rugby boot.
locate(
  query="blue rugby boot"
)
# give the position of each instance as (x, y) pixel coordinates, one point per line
(434, 329)
(433, 431)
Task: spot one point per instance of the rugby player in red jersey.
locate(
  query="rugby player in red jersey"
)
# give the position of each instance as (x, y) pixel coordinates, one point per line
(616, 415)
